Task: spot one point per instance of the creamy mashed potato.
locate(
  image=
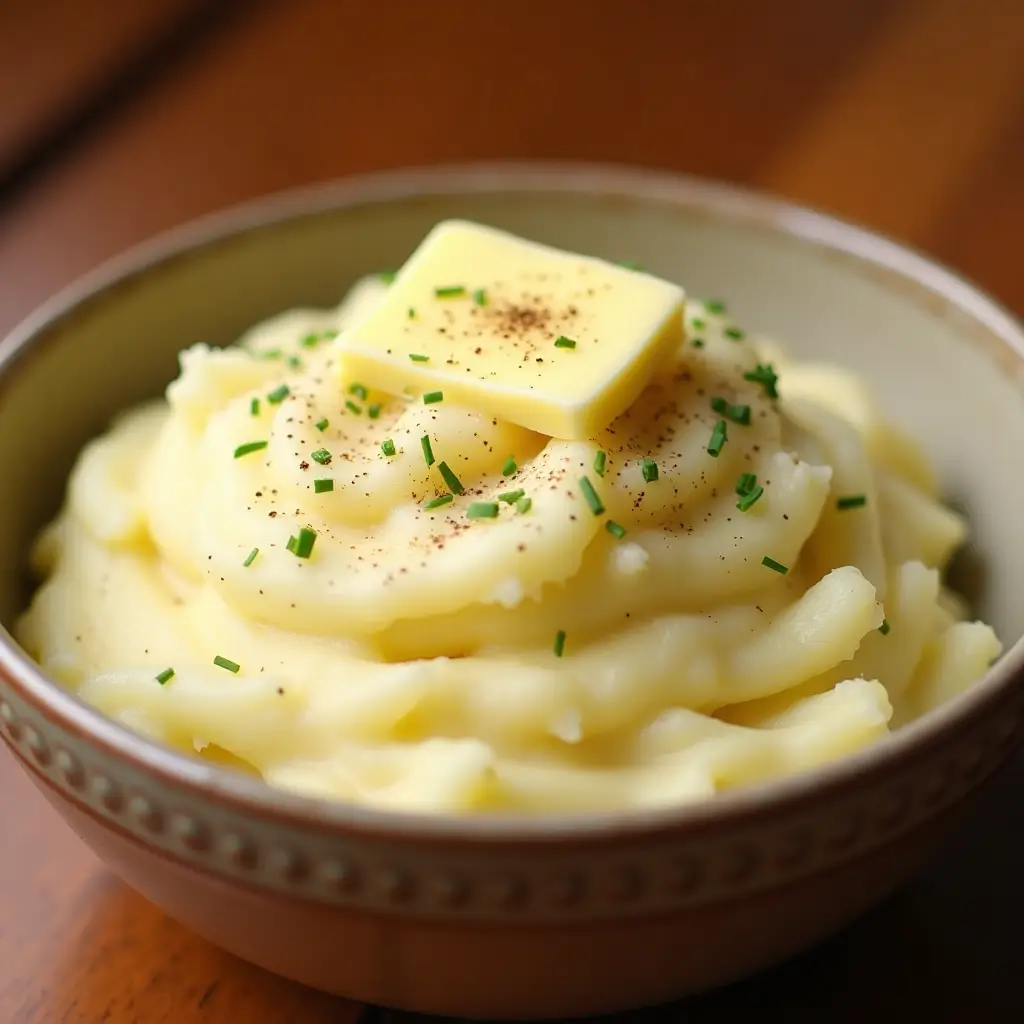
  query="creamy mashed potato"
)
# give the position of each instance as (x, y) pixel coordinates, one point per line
(243, 570)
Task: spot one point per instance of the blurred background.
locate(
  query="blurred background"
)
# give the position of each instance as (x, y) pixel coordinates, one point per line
(121, 118)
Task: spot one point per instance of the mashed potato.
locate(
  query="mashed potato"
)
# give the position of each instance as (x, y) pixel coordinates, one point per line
(244, 571)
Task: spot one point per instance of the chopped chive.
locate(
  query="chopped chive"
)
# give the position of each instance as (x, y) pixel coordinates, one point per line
(373, 411)
(166, 676)
(511, 497)
(437, 502)
(563, 342)
(697, 323)
(599, 463)
(523, 505)
(749, 498)
(250, 558)
(231, 666)
(270, 353)
(433, 396)
(716, 306)
(719, 405)
(321, 456)
(510, 467)
(411, 313)
(428, 452)
(322, 424)
(352, 407)
(649, 468)
(697, 343)
(559, 645)
(301, 546)
(450, 478)
(480, 297)
(294, 363)
(851, 501)
(630, 265)
(254, 407)
(451, 291)
(249, 447)
(766, 377)
(323, 484)
(482, 510)
(735, 333)
(312, 340)
(279, 394)
(772, 564)
(737, 413)
(746, 483)
(387, 276)
(614, 529)
(388, 447)
(359, 390)
(884, 627)
(417, 358)
(718, 438)
(591, 496)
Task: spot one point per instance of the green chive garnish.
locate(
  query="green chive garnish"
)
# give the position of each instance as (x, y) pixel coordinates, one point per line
(417, 358)
(559, 645)
(599, 462)
(373, 411)
(323, 484)
(510, 467)
(270, 353)
(450, 478)
(437, 502)
(716, 306)
(480, 297)
(231, 666)
(630, 265)
(294, 363)
(358, 390)
(851, 501)
(412, 313)
(312, 340)
(321, 456)
(649, 468)
(614, 529)
(563, 342)
(254, 407)
(749, 498)
(302, 545)
(523, 505)
(352, 407)
(737, 413)
(697, 343)
(591, 496)
(279, 394)
(482, 510)
(735, 333)
(388, 447)
(433, 396)
(451, 291)
(322, 425)
(746, 483)
(250, 558)
(249, 447)
(697, 323)
(884, 627)
(166, 676)
(772, 564)
(718, 439)
(428, 452)
(511, 497)
(766, 377)
(387, 276)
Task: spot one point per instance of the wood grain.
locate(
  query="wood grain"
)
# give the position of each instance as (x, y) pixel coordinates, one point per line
(905, 114)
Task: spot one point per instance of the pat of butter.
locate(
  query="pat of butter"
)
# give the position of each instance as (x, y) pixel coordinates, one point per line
(549, 340)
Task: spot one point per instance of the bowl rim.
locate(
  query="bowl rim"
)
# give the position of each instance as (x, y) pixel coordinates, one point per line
(911, 743)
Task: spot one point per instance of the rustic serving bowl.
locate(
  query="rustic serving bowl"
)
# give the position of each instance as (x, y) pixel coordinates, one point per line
(520, 918)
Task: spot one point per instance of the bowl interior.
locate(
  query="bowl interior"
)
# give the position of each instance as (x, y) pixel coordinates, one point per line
(936, 366)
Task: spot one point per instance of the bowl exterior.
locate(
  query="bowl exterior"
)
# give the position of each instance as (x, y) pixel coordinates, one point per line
(504, 930)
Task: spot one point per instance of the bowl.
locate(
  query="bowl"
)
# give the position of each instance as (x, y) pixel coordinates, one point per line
(520, 918)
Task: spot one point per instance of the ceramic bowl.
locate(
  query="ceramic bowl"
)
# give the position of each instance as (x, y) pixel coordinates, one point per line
(520, 918)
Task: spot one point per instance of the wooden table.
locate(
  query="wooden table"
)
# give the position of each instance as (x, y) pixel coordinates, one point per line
(904, 114)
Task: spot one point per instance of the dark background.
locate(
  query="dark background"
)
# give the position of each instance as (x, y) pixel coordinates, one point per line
(119, 118)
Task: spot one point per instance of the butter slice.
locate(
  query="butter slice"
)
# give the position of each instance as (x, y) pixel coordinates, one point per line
(491, 348)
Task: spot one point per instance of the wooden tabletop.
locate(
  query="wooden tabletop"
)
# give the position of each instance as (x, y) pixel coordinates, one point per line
(907, 115)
